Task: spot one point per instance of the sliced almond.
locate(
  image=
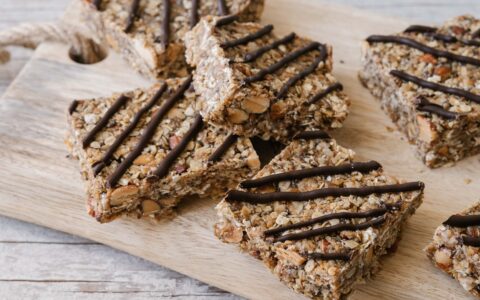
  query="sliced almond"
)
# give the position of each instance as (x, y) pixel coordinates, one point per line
(253, 162)
(143, 159)
(237, 116)
(425, 130)
(256, 104)
(291, 256)
(121, 194)
(278, 110)
(150, 207)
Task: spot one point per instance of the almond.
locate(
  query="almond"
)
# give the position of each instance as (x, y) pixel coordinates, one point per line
(443, 71)
(442, 258)
(143, 159)
(121, 194)
(237, 116)
(256, 104)
(428, 58)
(253, 162)
(291, 256)
(278, 110)
(150, 207)
(425, 130)
(231, 234)
(173, 141)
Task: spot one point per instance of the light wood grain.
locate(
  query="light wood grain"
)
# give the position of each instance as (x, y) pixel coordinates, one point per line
(408, 257)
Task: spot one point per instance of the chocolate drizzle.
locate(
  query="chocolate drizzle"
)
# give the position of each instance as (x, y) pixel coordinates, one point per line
(73, 107)
(420, 29)
(148, 133)
(167, 162)
(284, 61)
(222, 8)
(435, 86)
(463, 221)
(427, 106)
(424, 48)
(107, 157)
(253, 55)
(302, 74)
(248, 38)
(119, 103)
(312, 135)
(331, 229)
(218, 154)
(362, 167)
(132, 15)
(194, 13)
(330, 256)
(471, 241)
(257, 198)
(165, 38)
(377, 212)
(337, 86)
(227, 20)
(97, 4)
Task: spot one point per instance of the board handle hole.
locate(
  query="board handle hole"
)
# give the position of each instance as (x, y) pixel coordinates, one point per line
(87, 52)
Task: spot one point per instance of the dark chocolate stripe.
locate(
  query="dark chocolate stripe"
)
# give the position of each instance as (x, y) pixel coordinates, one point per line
(312, 135)
(194, 14)
(420, 29)
(476, 34)
(165, 38)
(97, 4)
(222, 8)
(362, 167)
(331, 229)
(227, 20)
(167, 162)
(431, 31)
(377, 212)
(471, 241)
(330, 256)
(148, 133)
(218, 154)
(119, 103)
(281, 63)
(132, 15)
(427, 106)
(424, 48)
(322, 193)
(302, 74)
(248, 38)
(107, 157)
(73, 107)
(337, 86)
(463, 221)
(251, 56)
(435, 86)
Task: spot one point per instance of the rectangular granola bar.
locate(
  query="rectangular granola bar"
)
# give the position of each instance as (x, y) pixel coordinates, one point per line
(255, 83)
(428, 82)
(455, 248)
(148, 34)
(317, 219)
(142, 151)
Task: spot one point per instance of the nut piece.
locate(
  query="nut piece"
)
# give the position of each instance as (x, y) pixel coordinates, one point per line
(256, 104)
(291, 256)
(253, 162)
(143, 159)
(150, 207)
(237, 116)
(230, 233)
(121, 194)
(278, 110)
(428, 58)
(442, 259)
(426, 131)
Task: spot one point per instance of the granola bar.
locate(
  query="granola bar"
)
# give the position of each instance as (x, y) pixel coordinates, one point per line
(317, 219)
(149, 34)
(427, 80)
(254, 83)
(455, 248)
(142, 151)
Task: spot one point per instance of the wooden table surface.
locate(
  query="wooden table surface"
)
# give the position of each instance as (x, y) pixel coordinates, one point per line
(40, 263)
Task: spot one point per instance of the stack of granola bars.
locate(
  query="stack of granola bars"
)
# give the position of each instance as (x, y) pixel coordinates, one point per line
(229, 91)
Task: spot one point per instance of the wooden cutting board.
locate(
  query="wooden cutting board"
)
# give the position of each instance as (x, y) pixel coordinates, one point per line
(39, 184)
